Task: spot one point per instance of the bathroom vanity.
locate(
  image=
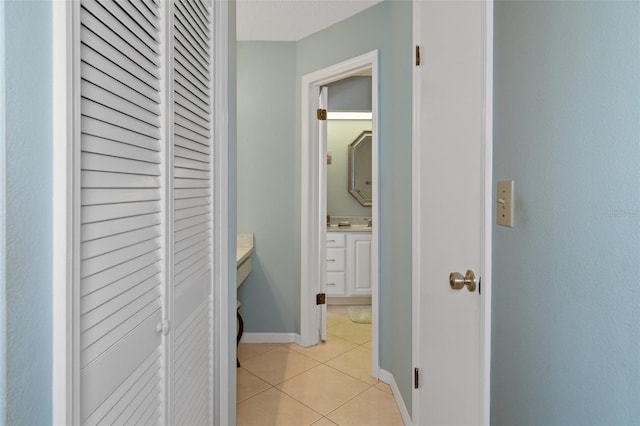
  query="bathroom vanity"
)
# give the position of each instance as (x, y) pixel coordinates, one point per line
(348, 261)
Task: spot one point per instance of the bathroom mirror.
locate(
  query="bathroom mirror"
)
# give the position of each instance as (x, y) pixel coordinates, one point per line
(360, 168)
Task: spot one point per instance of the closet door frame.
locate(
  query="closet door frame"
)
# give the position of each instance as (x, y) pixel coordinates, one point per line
(66, 212)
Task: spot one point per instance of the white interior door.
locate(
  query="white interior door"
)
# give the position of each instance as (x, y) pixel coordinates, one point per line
(192, 199)
(146, 198)
(449, 162)
(322, 125)
(121, 283)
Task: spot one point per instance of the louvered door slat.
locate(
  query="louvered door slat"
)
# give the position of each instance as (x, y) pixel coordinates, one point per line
(107, 99)
(107, 412)
(91, 249)
(102, 295)
(123, 72)
(94, 231)
(125, 47)
(96, 314)
(196, 17)
(188, 101)
(184, 33)
(189, 60)
(193, 74)
(181, 152)
(190, 241)
(101, 47)
(137, 402)
(93, 196)
(129, 166)
(190, 193)
(191, 251)
(205, 10)
(185, 224)
(194, 118)
(192, 21)
(99, 78)
(93, 179)
(195, 148)
(133, 27)
(191, 85)
(183, 132)
(110, 114)
(141, 21)
(150, 5)
(96, 145)
(190, 202)
(104, 130)
(112, 259)
(98, 386)
(190, 164)
(124, 272)
(96, 341)
(195, 127)
(121, 236)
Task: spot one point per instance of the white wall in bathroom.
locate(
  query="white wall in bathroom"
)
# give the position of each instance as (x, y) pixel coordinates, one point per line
(340, 133)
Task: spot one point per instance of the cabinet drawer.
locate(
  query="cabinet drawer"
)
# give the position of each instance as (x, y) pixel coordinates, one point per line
(335, 239)
(336, 259)
(335, 283)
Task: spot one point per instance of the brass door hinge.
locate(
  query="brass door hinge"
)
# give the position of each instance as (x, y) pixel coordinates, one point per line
(321, 299)
(322, 114)
(417, 55)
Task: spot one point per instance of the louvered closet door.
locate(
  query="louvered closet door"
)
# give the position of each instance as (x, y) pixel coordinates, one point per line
(121, 353)
(192, 191)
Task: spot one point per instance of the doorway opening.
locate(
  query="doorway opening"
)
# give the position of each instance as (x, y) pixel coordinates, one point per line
(314, 211)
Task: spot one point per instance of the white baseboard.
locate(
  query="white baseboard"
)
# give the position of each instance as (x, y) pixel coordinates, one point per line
(387, 377)
(270, 338)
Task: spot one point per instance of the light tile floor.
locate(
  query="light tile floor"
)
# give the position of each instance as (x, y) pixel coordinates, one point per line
(325, 385)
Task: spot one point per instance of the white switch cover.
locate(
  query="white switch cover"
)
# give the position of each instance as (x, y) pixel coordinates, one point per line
(504, 206)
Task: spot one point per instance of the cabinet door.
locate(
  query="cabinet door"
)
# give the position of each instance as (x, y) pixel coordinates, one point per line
(359, 267)
(335, 259)
(335, 283)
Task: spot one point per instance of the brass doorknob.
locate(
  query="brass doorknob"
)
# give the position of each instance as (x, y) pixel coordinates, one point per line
(457, 280)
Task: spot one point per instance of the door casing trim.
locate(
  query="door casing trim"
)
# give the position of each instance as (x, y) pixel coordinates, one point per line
(313, 224)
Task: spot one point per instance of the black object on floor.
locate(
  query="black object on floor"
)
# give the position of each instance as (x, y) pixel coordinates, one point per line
(240, 330)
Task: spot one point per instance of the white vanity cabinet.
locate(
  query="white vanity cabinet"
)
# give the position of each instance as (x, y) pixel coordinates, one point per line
(348, 263)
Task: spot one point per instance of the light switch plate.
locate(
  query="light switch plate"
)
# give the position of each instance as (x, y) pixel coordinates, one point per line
(504, 203)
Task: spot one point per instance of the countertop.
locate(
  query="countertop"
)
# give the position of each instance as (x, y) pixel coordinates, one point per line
(352, 228)
(244, 247)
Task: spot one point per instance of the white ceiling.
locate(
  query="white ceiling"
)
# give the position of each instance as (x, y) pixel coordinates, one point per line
(292, 20)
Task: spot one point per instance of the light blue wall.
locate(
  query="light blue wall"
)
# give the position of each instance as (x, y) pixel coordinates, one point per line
(3, 239)
(566, 299)
(386, 27)
(350, 94)
(28, 214)
(269, 193)
(270, 297)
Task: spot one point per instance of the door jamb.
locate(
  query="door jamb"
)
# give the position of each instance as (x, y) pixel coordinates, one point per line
(313, 224)
(485, 304)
